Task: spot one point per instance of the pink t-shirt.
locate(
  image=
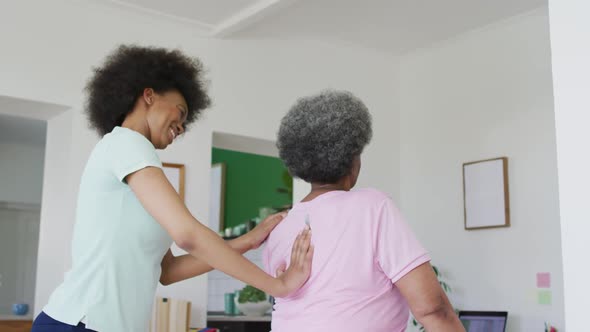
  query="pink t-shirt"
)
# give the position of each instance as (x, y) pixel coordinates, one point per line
(362, 247)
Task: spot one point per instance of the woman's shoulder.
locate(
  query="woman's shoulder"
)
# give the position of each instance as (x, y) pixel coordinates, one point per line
(122, 134)
(126, 140)
(370, 194)
(123, 147)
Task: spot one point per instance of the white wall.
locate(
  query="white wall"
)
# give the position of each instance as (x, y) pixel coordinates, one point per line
(486, 94)
(253, 84)
(21, 172)
(57, 209)
(571, 78)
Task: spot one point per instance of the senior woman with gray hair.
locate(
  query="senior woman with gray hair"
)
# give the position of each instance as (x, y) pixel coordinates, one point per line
(369, 270)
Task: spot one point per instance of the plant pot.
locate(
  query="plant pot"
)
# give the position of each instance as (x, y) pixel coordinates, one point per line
(20, 309)
(254, 309)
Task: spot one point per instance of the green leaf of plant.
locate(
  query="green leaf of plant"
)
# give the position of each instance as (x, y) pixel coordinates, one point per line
(435, 270)
(251, 294)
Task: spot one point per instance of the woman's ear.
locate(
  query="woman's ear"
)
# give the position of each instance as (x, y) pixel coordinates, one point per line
(148, 96)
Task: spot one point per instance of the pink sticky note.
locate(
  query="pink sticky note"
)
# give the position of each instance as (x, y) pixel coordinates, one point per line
(544, 280)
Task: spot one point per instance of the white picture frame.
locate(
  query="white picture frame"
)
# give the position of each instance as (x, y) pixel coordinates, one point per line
(175, 174)
(217, 197)
(485, 194)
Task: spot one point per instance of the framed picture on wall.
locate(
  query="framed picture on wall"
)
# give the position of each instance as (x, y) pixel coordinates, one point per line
(175, 174)
(217, 197)
(485, 194)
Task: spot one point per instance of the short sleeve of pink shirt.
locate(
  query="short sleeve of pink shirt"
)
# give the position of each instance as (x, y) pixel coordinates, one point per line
(397, 249)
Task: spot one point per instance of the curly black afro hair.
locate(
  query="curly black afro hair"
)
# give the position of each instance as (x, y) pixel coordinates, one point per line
(116, 85)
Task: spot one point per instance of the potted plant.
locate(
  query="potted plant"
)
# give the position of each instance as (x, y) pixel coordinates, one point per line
(253, 302)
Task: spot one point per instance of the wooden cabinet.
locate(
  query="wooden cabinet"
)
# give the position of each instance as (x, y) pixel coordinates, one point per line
(16, 325)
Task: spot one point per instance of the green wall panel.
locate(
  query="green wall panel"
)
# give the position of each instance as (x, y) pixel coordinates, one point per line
(251, 182)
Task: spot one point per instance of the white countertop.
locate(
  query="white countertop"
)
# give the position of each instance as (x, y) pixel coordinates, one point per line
(238, 318)
(15, 317)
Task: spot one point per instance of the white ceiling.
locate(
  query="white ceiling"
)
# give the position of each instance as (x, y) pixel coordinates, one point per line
(212, 18)
(393, 26)
(207, 12)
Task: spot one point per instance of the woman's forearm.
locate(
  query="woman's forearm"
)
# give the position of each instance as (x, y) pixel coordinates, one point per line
(179, 268)
(159, 198)
(210, 248)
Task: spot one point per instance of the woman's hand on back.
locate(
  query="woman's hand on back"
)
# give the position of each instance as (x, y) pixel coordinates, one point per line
(258, 235)
(300, 266)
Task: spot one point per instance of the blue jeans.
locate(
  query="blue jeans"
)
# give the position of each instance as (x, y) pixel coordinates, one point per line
(44, 323)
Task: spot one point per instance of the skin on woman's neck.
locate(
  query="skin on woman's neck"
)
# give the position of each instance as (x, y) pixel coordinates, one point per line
(137, 120)
(345, 183)
(321, 188)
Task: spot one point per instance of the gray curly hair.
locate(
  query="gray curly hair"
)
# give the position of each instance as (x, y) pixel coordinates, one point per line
(321, 135)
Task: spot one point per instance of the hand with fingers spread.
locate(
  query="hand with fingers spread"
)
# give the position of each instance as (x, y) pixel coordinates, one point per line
(258, 235)
(300, 266)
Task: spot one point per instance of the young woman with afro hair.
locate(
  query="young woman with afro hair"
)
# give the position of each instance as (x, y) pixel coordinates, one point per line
(128, 214)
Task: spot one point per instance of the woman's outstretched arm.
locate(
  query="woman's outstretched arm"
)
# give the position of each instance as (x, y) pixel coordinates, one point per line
(159, 198)
(178, 268)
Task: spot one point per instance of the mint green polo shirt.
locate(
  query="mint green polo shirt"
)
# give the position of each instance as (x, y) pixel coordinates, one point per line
(117, 246)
